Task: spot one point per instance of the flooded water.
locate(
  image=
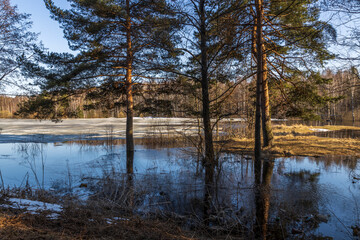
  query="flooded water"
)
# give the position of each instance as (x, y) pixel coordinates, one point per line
(300, 198)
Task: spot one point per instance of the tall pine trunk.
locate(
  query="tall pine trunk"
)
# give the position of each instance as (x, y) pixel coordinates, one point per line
(209, 160)
(268, 136)
(129, 95)
(209, 147)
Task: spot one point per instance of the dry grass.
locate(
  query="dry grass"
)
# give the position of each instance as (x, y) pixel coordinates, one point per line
(82, 223)
(74, 225)
(337, 128)
(80, 220)
(90, 220)
(303, 129)
(297, 128)
(290, 143)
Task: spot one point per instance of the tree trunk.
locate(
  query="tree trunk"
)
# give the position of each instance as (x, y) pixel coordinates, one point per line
(129, 95)
(352, 100)
(209, 147)
(268, 136)
(209, 160)
(259, 76)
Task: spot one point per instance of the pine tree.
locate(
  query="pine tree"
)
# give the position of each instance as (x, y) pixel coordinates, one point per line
(289, 41)
(15, 41)
(211, 39)
(210, 47)
(116, 42)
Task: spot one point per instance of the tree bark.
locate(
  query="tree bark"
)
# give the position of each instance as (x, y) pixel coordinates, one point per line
(129, 95)
(209, 147)
(209, 161)
(268, 136)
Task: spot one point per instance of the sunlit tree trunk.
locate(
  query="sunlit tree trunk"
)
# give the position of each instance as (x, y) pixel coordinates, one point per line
(257, 42)
(129, 95)
(268, 136)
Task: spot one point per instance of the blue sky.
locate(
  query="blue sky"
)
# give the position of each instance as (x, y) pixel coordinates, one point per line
(50, 33)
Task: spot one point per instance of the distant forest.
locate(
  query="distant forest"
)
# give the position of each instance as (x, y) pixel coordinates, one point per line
(157, 101)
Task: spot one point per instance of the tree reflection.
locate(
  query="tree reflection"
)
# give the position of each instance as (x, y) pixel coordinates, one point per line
(262, 196)
(208, 191)
(130, 179)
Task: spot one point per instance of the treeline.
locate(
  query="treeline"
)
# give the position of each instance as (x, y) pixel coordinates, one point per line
(9, 105)
(345, 87)
(167, 99)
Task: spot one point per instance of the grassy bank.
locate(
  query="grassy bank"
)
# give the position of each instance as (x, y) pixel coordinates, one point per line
(303, 129)
(293, 141)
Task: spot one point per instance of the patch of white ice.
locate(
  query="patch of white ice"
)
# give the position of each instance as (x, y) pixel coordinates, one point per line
(319, 129)
(32, 206)
(112, 220)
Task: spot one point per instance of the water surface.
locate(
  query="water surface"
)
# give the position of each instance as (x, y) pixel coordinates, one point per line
(293, 197)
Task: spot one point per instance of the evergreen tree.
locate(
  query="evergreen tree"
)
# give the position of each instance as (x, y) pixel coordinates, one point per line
(15, 41)
(289, 40)
(211, 39)
(116, 42)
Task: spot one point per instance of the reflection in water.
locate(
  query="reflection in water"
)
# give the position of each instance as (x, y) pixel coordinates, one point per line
(284, 198)
(208, 192)
(262, 197)
(130, 179)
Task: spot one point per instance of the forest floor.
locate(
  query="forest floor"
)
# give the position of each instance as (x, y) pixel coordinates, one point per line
(296, 140)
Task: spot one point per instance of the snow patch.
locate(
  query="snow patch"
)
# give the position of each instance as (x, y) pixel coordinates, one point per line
(112, 220)
(319, 129)
(33, 206)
